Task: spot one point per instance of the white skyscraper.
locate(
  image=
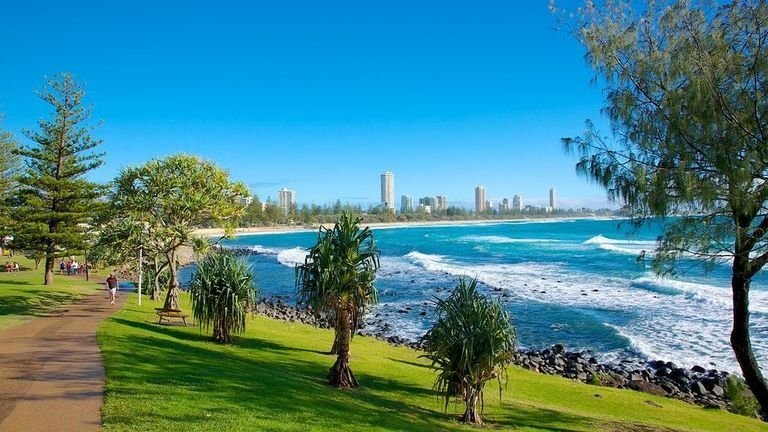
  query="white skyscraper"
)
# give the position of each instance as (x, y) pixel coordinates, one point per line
(480, 199)
(517, 203)
(287, 198)
(553, 199)
(406, 204)
(388, 190)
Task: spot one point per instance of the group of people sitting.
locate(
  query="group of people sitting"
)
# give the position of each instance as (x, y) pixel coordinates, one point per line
(71, 267)
(11, 266)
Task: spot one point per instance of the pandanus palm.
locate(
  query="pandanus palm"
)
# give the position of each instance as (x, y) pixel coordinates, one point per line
(337, 279)
(222, 292)
(470, 344)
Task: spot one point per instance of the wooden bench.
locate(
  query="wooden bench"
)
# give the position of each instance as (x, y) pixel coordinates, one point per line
(167, 314)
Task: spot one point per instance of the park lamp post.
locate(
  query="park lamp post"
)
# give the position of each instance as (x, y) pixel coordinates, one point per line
(141, 276)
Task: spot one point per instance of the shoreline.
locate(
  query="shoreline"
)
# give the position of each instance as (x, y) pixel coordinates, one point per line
(284, 229)
(697, 385)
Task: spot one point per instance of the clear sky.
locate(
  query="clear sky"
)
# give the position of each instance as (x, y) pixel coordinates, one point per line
(319, 96)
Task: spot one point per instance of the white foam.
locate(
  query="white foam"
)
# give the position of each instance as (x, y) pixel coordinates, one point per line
(684, 322)
(264, 250)
(630, 247)
(714, 295)
(292, 257)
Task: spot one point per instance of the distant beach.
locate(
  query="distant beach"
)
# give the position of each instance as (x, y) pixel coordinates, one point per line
(282, 229)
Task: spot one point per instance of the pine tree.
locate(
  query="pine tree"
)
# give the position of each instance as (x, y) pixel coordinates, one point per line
(55, 201)
(9, 170)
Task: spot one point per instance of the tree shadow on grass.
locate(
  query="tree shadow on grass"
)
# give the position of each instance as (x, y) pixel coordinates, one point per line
(286, 384)
(265, 380)
(410, 363)
(38, 303)
(14, 282)
(184, 334)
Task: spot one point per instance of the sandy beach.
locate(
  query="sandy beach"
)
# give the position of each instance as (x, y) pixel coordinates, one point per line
(278, 229)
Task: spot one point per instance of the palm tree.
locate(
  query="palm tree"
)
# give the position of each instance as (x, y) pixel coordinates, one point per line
(337, 279)
(222, 293)
(470, 344)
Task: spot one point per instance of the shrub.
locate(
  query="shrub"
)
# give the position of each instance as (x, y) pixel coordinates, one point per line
(742, 400)
(222, 292)
(471, 343)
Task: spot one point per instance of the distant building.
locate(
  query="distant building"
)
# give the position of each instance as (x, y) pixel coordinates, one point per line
(286, 199)
(245, 201)
(442, 203)
(517, 203)
(406, 204)
(480, 199)
(433, 204)
(553, 199)
(425, 208)
(504, 205)
(489, 205)
(388, 190)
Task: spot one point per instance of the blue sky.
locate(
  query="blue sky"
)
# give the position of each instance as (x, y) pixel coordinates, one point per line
(320, 97)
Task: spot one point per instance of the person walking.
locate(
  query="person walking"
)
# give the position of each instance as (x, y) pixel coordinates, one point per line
(112, 287)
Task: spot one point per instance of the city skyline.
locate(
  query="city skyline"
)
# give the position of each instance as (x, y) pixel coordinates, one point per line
(438, 202)
(446, 96)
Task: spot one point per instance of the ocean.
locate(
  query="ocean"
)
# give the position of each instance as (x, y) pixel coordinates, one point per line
(576, 282)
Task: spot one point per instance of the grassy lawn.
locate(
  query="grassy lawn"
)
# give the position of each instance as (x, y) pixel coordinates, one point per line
(171, 378)
(23, 295)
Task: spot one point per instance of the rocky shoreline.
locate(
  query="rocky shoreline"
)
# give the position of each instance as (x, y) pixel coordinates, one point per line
(696, 385)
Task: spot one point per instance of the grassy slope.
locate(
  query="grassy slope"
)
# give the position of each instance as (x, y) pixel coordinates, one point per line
(171, 378)
(23, 295)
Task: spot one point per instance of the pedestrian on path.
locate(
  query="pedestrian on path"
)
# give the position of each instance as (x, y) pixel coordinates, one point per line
(112, 287)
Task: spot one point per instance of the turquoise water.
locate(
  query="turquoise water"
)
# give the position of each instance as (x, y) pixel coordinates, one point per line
(575, 282)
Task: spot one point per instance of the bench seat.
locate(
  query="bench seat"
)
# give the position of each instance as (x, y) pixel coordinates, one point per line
(167, 314)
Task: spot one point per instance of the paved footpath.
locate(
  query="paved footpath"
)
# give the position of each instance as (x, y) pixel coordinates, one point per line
(51, 370)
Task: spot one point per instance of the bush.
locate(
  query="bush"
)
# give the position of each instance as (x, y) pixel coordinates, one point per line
(222, 292)
(742, 400)
(470, 344)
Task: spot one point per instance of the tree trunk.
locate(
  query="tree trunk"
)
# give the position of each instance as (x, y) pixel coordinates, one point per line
(336, 334)
(740, 338)
(156, 281)
(156, 287)
(472, 397)
(49, 263)
(341, 375)
(220, 333)
(172, 298)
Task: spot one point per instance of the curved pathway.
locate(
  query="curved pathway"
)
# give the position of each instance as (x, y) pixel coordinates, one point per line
(51, 370)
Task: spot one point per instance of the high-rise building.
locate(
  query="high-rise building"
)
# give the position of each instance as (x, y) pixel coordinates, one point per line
(489, 205)
(388, 190)
(406, 204)
(517, 203)
(480, 199)
(433, 204)
(553, 199)
(287, 198)
(442, 203)
(504, 205)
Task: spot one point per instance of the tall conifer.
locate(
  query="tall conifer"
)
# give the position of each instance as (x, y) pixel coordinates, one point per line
(55, 201)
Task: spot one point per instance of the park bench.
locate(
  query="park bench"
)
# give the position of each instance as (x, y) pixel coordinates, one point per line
(167, 314)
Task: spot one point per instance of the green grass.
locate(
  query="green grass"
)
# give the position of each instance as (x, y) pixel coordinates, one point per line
(23, 295)
(171, 378)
